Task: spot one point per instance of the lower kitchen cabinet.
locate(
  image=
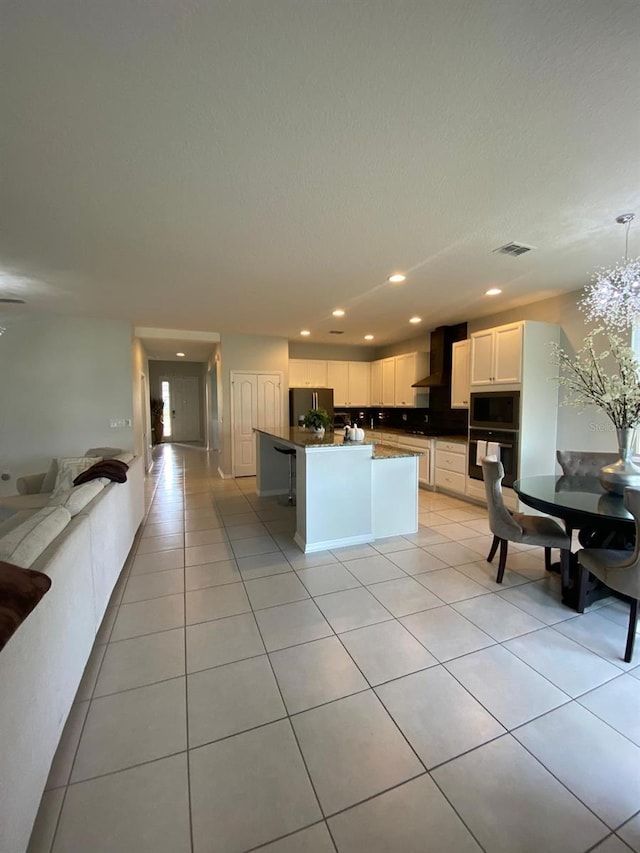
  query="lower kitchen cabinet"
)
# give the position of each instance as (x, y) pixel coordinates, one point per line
(451, 466)
(425, 446)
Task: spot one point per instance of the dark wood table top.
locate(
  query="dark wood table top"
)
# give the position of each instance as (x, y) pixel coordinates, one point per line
(579, 500)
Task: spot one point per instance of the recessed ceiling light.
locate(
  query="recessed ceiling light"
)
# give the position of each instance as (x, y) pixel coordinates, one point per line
(338, 312)
(493, 291)
(181, 354)
(396, 278)
(368, 337)
(305, 333)
(416, 320)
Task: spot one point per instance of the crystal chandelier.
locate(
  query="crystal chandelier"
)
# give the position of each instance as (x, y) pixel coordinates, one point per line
(613, 297)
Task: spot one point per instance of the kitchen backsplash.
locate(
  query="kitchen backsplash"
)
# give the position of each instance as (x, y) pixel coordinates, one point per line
(451, 421)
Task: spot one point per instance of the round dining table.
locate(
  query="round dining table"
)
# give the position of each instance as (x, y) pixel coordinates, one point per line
(600, 517)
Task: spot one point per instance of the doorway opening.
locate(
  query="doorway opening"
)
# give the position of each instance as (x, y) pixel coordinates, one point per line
(165, 393)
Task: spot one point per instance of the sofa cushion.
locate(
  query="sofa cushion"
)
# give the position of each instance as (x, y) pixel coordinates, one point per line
(24, 544)
(14, 520)
(68, 469)
(78, 497)
(126, 456)
(20, 591)
(15, 503)
(112, 469)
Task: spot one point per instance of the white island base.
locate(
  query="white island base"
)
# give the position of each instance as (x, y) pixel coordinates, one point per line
(346, 493)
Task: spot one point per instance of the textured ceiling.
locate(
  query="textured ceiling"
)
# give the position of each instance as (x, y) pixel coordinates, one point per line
(249, 166)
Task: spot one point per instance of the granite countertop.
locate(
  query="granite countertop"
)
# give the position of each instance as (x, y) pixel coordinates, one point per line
(304, 438)
(300, 437)
(388, 451)
(403, 433)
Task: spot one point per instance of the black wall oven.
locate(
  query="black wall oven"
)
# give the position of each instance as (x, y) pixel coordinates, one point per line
(483, 441)
(495, 410)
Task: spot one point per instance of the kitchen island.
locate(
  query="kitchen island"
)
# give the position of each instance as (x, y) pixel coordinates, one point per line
(347, 492)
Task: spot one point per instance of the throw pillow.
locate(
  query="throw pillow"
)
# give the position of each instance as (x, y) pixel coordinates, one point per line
(78, 497)
(104, 452)
(68, 468)
(20, 591)
(113, 469)
(24, 544)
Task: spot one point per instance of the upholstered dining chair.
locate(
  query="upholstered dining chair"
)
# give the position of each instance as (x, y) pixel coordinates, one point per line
(583, 463)
(619, 570)
(509, 526)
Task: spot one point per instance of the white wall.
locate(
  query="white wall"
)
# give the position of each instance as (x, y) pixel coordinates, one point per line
(61, 381)
(250, 353)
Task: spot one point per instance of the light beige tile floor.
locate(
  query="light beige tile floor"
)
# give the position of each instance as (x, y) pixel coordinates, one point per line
(388, 697)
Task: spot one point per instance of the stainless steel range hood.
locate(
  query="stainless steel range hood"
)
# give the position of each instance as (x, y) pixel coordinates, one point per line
(439, 359)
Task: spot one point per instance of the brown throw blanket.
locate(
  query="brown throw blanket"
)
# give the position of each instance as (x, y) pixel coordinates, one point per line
(113, 469)
(20, 591)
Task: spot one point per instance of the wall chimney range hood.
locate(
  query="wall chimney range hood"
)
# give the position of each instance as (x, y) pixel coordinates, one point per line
(442, 340)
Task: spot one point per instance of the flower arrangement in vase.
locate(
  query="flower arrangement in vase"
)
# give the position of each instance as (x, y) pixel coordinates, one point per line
(317, 420)
(604, 373)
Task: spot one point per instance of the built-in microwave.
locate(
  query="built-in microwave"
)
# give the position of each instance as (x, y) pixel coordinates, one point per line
(495, 410)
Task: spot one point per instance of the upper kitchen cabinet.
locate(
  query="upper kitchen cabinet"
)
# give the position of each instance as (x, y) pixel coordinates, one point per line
(307, 373)
(388, 382)
(496, 355)
(409, 368)
(460, 375)
(350, 381)
(383, 382)
(375, 395)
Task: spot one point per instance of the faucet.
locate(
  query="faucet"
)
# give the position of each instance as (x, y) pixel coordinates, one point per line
(371, 423)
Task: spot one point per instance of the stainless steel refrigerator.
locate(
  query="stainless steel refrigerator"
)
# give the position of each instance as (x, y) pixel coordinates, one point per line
(303, 399)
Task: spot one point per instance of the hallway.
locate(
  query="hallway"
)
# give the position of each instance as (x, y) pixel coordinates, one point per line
(385, 697)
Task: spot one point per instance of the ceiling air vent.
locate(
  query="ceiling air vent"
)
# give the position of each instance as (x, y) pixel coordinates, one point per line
(513, 249)
(336, 332)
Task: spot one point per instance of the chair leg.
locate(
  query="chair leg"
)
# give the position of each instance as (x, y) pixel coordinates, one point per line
(494, 548)
(547, 559)
(502, 562)
(631, 634)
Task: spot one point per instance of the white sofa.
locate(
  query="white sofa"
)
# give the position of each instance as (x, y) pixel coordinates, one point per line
(42, 664)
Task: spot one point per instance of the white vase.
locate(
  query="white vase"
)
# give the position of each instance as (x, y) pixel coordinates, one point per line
(319, 431)
(617, 476)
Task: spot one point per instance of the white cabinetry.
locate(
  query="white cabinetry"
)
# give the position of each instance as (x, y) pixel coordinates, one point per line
(460, 375)
(425, 446)
(307, 373)
(496, 355)
(350, 381)
(451, 466)
(392, 378)
(376, 383)
(388, 382)
(405, 376)
(338, 379)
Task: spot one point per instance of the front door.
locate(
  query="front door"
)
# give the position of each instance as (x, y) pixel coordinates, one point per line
(184, 406)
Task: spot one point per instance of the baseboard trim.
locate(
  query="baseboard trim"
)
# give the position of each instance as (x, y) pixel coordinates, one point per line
(327, 544)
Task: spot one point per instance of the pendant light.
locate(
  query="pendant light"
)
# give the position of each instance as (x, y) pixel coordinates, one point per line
(613, 297)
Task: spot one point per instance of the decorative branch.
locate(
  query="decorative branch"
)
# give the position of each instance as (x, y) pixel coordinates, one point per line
(616, 393)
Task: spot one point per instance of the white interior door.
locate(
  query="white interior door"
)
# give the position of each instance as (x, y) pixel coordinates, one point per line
(256, 402)
(185, 408)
